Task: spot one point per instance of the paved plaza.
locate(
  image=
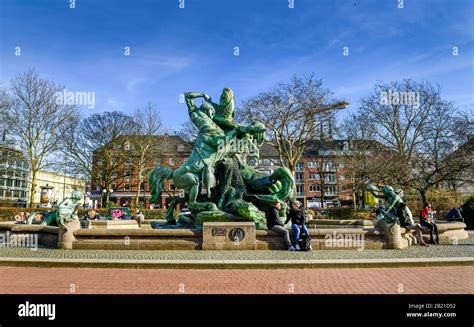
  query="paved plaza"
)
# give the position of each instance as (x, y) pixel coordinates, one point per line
(433, 280)
(39, 277)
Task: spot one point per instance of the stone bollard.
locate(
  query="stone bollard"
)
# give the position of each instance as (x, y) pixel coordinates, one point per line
(66, 236)
(393, 237)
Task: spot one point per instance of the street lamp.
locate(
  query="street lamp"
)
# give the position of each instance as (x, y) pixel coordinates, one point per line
(106, 193)
(86, 195)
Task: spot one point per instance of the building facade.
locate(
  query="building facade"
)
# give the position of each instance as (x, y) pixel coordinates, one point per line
(320, 176)
(60, 185)
(14, 178)
(123, 186)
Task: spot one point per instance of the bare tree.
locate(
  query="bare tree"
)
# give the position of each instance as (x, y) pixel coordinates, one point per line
(291, 113)
(188, 132)
(145, 144)
(95, 148)
(437, 162)
(364, 159)
(36, 120)
(417, 127)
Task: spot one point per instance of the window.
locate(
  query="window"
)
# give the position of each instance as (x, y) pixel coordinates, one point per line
(314, 176)
(299, 190)
(16, 194)
(266, 162)
(17, 183)
(171, 161)
(342, 178)
(126, 187)
(23, 194)
(314, 188)
(9, 182)
(330, 190)
(341, 165)
(127, 172)
(2, 181)
(251, 162)
(180, 147)
(330, 178)
(299, 176)
(8, 193)
(313, 164)
(2, 193)
(299, 166)
(126, 146)
(329, 165)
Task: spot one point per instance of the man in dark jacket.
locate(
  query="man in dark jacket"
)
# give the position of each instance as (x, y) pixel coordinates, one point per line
(274, 224)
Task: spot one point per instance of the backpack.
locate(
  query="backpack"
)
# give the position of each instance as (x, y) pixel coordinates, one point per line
(304, 242)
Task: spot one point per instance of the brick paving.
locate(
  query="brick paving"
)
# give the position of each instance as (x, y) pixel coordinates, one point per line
(432, 280)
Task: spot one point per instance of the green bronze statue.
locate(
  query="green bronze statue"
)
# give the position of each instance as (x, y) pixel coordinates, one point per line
(388, 194)
(62, 214)
(233, 190)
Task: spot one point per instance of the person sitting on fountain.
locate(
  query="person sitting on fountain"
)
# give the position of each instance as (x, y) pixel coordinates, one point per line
(91, 214)
(138, 216)
(274, 224)
(455, 214)
(297, 217)
(427, 220)
(406, 220)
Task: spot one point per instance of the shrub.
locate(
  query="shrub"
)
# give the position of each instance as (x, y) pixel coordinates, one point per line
(341, 213)
(441, 200)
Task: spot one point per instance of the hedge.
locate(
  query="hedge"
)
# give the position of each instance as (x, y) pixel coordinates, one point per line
(340, 213)
(7, 213)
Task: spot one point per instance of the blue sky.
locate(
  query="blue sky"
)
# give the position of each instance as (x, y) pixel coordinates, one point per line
(175, 50)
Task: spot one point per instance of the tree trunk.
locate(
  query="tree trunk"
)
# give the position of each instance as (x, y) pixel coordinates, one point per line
(293, 193)
(354, 199)
(33, 188)
(137, 196)
(423, 196)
